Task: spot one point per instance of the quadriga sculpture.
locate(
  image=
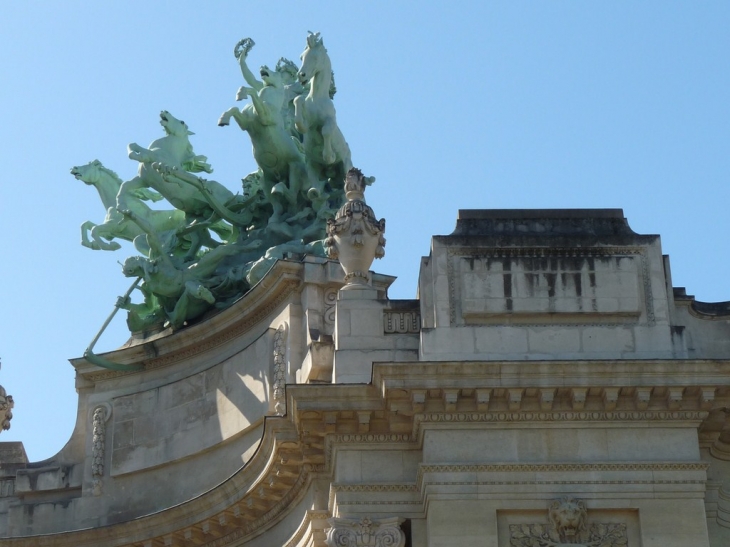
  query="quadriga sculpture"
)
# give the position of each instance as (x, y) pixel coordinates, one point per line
(215, 244)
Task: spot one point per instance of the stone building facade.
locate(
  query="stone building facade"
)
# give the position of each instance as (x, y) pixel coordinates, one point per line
(548, 387)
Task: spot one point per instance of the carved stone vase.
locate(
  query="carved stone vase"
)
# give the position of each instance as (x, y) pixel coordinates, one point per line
(355, 237)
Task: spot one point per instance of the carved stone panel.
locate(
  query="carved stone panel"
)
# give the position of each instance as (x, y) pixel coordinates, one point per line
(366, 533)
(187, 416)
(401, 322)
(568, 522)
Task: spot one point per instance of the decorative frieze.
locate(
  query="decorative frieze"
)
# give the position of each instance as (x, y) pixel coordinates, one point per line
(365, 533)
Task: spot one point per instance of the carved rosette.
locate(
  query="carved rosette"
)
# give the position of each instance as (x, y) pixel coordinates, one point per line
(355, 237)
(6, 406)
(365, 533)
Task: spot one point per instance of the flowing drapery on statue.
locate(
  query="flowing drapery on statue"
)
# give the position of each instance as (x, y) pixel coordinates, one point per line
(211, 244)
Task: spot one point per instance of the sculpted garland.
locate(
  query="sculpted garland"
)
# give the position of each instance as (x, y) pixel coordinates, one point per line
(210, 245)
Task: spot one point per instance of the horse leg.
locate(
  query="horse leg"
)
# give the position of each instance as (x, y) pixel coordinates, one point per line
(102, 232)
(297, 176)
(193, 289)
(328, 129)
(126, 190)
(85, 227)
(299, 114)
(225, 118)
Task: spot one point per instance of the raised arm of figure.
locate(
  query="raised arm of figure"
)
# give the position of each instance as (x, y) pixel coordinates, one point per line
(241, 52)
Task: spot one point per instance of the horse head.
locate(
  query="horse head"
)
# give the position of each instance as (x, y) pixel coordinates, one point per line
(314, 59)
(288, 70)
(272, 78)
(89, 173)
(173, 126)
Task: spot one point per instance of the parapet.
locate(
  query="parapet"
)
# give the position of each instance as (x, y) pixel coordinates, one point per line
(545, 284)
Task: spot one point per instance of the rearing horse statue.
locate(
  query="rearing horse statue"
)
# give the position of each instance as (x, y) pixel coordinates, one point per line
(326, 151)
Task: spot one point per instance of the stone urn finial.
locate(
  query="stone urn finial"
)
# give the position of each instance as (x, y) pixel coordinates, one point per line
(355, 237)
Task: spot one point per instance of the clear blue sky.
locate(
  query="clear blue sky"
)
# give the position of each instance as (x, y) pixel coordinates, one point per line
(449, 104)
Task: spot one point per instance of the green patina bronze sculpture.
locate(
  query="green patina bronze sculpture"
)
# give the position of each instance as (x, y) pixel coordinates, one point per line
(207, 249)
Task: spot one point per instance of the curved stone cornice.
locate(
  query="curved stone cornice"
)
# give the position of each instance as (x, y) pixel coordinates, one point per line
(246, 504)
(248, 312)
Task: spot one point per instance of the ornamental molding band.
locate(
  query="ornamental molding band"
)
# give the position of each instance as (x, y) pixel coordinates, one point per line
(567, 524)
(365, 533)
(98, 423)
(420, 420)
(280, 364)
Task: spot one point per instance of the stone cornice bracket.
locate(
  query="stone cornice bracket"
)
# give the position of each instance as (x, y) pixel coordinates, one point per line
(365, 533)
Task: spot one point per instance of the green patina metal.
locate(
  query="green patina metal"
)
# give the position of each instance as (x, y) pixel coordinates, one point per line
(210, 245)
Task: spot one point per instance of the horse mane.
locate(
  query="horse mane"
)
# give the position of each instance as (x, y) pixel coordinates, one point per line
(110, 172)
(144, 194)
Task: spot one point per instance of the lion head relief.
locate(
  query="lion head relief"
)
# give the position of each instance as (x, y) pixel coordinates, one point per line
(567, 517)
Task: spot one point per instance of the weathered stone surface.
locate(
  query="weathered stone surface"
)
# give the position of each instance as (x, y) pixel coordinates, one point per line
(548, 387)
